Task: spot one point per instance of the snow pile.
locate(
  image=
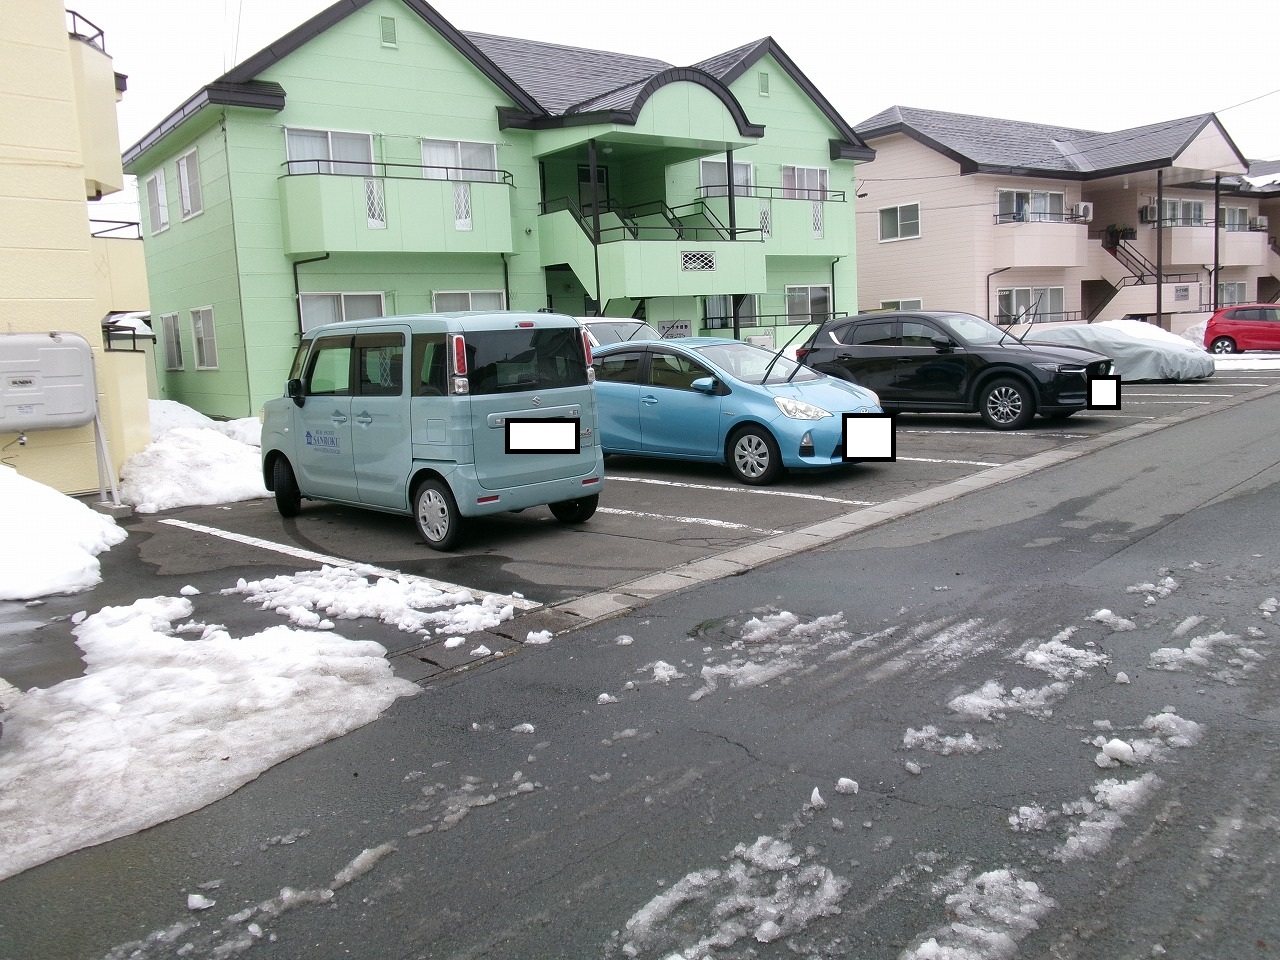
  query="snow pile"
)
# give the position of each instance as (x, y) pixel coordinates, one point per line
(992, 913)
(778, 642)
(1147, 331)
(168, 415)
(1062, 661)
(764, 894)
(160, 726)
(189, 466)
(1114, 621)
(929, 738)
(991, 700)
(1195, 333)
(1198, 652)
(1103, 816)
(51, 541)
(408, 603)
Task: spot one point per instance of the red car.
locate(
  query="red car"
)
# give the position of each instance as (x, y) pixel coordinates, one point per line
(1244, 326)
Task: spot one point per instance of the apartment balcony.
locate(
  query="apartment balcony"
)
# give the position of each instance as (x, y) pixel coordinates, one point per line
(119, 267)
(1242, 248)
(355, 207)
(652, 250)
(792, 221)
(96, 88)
(1187, 243)
(1059, 243)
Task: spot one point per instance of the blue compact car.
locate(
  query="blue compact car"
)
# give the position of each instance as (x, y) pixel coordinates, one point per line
(722, 401)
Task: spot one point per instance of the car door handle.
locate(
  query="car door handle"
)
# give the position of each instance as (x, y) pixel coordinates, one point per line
(339, 418)
(364, 418)
(844, 356)
(649, 399)
(904, 359)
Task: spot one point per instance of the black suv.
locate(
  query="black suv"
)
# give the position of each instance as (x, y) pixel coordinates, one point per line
(954, 362)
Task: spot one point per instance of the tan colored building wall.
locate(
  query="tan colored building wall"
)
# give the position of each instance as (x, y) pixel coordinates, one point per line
(58, 145)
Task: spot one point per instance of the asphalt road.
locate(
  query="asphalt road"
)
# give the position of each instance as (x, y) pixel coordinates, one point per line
(630, 828)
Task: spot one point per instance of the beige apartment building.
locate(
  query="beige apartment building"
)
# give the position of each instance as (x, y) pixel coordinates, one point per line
(60, 272)
(1026, 222)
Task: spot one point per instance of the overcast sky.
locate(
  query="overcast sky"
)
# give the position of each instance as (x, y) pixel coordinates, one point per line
(1095, 64)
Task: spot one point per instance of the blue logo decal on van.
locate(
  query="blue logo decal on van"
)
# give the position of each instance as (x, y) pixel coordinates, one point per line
(324, 441)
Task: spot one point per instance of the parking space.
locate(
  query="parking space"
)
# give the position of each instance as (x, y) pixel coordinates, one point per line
(655, 515)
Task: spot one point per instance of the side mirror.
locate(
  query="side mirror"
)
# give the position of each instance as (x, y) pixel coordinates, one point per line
(293, 390)
(943, 344)
(704, 384)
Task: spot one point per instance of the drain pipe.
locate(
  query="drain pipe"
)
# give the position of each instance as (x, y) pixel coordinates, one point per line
(989, 276)
(297, 294)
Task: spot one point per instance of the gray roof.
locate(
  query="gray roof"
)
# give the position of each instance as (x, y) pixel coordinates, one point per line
(991, 144)
(559, 77)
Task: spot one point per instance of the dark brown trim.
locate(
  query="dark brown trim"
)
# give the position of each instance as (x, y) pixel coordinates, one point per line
(255, 93)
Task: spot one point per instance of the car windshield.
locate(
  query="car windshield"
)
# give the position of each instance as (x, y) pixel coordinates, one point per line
(748, 363)
(973, 329)
(615, 332)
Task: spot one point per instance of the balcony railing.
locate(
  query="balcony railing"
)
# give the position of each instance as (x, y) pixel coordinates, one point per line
(771, 320)
(1055, 316)
(674, 223)
(395, 171)
(83, 29)
(1031, 216)
(773, 193)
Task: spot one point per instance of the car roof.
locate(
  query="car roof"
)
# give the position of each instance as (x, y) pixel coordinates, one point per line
(454, 322)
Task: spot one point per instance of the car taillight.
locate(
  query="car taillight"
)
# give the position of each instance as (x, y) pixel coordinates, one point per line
(459, 354)
(801, 353)
(586, 346)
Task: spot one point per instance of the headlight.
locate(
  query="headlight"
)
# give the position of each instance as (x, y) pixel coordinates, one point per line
(1067, 368)
(799, 410)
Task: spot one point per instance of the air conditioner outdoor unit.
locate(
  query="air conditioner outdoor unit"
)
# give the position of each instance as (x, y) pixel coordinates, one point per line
(1259, 223)
(764, 340)
(1149, 214)
(1084, 212)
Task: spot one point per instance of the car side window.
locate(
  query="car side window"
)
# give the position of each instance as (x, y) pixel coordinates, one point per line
(1271, 314)
(676, 372)
(380, 360)
(1248, 314)
(430, 370)
(841, 334)
(877, 334)
(618, 367)
(917, 334)
(329, 369)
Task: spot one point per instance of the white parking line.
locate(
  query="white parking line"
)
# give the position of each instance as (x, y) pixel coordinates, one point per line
(1141, 403)
(966, 463)
(613, 477)
(702, 521)
(1128, 394)
(1003, 434)
(519, 603)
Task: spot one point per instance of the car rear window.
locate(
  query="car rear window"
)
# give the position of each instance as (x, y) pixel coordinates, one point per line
(514, 361)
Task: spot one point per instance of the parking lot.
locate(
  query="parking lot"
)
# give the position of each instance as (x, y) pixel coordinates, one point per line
(657, 515)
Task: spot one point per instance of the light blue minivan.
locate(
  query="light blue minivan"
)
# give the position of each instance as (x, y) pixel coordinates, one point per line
(439, 416)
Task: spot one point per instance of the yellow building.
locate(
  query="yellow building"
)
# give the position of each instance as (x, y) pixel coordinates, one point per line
(60, 145)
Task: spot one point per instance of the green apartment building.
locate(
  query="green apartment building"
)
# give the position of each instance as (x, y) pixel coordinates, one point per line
(379, 161)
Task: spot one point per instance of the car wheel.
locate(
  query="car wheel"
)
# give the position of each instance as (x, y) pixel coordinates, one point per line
(436, 513)
(285, 484)
(754, 457)
(575, 511)
(1223, 345)
(1006, 404)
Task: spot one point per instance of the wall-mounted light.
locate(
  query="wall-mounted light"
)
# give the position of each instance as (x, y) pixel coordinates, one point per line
(607, 150)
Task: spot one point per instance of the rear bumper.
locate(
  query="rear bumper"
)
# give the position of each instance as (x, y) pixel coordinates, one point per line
(475, 500)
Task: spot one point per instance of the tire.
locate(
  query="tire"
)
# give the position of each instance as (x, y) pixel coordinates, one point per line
(436, 514)
(754, 457)
(1222, 345)
(1006, 404)
(575, 511)
(285, 485)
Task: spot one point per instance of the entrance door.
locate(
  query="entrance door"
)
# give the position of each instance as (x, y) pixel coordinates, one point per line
(586, 200)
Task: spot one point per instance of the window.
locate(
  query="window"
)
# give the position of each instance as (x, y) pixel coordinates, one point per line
(618, 367)
(878, 333)
(804, 183)
(1030, 206)
(380, 360)
(387, 30)
(1183, 213)
(916, 304)
(917, 334)
(171, 334)
(189, 185)
(900, 223)
(712, 178)
(430, 365)
(808, 304)
(763, 79)
(718, 312)
(513, 361)
(1231, 292)
(459, 160)
(328, 151)
(674, 372)
(1030, 304)
(329, 373)
(447, 301)
(1233, 219)
(157, 203)
(205, 341)
(318, 308)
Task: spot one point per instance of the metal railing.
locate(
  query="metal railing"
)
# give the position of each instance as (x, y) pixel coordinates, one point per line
(1030, 216)
(84, 29)
(1051, 316)
(772, 193)
(116, 229)
(771, 320)
(395, 171)
(675, 223)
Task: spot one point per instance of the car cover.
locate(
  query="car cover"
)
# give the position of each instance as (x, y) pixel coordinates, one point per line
(1145, 355)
